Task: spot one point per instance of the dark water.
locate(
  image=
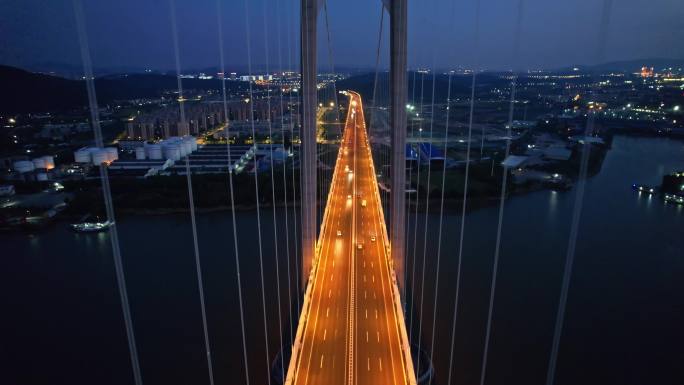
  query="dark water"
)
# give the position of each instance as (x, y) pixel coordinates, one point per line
(625, 308)
(62, 324)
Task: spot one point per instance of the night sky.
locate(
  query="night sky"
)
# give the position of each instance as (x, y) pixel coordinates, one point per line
(136, 34)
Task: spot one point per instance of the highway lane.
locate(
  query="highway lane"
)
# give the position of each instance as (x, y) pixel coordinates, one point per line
(351, 334)
(378, 342)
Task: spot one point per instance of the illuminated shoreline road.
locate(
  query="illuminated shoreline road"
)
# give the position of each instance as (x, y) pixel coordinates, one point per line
(351, 330)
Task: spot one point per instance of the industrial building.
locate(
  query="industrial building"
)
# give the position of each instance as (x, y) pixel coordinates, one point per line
(176, 155)
(424, 153)
(215, 158)
(96, 155)
(411, 154)
(37, 169)
(430, 153)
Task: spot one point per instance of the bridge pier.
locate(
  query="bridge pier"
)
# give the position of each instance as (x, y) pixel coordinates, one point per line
(307, 134)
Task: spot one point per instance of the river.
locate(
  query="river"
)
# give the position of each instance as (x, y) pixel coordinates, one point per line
(62, 320)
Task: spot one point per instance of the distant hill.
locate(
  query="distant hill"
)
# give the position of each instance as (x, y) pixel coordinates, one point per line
(23, 91)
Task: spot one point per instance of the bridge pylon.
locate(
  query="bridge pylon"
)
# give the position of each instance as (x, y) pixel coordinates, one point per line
(398, 96)
(307, 134)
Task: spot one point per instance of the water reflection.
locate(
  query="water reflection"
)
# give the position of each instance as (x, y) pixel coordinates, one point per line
(553, 202)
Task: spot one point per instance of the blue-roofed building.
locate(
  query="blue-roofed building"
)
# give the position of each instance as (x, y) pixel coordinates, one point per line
(430, 153)
(411, 153)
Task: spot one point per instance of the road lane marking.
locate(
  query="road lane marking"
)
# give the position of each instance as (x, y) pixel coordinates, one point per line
(321, 361)
(319, 286)
(325, 334)
(327, 312)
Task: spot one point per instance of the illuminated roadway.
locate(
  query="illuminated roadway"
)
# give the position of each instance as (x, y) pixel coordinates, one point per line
(351, 330)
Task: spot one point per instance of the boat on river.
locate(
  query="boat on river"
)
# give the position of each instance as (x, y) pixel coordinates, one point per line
(91, 227)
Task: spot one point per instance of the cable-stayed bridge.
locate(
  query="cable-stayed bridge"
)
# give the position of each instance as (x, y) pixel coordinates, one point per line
(352, 328)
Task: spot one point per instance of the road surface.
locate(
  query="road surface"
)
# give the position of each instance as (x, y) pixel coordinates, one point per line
(351, 335)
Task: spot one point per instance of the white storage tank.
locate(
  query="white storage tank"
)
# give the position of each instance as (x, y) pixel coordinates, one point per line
(23, 166)
(49, 162)
(172, 151)
(193, 143)
(82, 156)
(100, 156)
(112, 153)
(187, 145)
(38, 163)
(41, 177)
(154, 151)
(140, 153)
(181, 148)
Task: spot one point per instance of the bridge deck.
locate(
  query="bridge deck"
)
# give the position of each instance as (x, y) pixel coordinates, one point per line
(351, 328)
